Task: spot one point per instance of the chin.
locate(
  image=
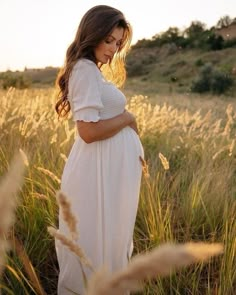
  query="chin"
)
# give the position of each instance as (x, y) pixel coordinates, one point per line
(106, 60)
(103, 59)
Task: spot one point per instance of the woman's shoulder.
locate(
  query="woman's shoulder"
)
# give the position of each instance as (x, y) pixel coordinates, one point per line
(86, 70)
(84, 63)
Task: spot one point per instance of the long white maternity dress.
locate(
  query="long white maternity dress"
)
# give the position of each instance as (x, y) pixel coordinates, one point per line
(102, 181)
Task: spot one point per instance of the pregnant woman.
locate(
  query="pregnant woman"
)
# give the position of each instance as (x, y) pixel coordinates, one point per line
(103, 171)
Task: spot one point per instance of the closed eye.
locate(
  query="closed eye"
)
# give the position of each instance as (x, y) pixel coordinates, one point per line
(109, 41)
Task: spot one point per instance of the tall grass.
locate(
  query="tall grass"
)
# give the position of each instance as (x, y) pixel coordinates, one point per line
(193, 200)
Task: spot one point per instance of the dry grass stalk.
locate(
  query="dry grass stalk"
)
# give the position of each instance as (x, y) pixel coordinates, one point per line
(223, 149)
(231, 147)
(28, 266)
(159, 262)
(164, 161)
(50, 174)
(71, 245)
(67, 214)
(144, 167)
(54, 138)
(39, 196)
(63, 156)
(9, 186)
(24, 157)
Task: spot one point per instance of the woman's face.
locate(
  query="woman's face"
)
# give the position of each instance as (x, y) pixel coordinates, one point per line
(108, 47)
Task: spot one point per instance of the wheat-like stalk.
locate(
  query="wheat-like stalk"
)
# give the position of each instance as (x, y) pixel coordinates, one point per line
(50, 174)
(39, 196)
(24, 157)
(231, 147)
(9, 186)
(67, 214)
(63, 156)
(164, 161)
(71, 245)
(145, 168)
(159, 262)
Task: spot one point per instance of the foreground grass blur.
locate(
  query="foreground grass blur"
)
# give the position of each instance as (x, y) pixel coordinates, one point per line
(194, 200)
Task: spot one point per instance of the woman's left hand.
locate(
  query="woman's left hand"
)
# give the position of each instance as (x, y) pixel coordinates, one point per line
(134, 126)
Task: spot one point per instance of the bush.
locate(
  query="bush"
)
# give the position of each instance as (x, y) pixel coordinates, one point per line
(230, 43)
(220, 82)
(212, 80)
(199, 62)
(16, 81)
(203, 83)
(215, 42)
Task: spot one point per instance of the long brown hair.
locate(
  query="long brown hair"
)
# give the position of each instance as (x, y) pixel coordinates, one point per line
(95, 26)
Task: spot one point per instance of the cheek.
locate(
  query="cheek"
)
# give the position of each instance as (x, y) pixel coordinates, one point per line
(97, 51)
(101, 48)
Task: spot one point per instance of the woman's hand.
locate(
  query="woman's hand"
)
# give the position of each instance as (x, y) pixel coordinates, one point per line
(134, 126)
(129, 117)
(133, 123)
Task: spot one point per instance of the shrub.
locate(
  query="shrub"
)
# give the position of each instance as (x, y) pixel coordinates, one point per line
(202, 83)
(220, 82)
(215, 42)
(230, 43)
(199, 62)
(16, 81)
(212, 80)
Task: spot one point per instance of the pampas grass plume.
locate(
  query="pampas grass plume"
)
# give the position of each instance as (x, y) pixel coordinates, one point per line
(159, 262)
(9, 186)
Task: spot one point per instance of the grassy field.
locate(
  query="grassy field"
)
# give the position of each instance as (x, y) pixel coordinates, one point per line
(193, 200)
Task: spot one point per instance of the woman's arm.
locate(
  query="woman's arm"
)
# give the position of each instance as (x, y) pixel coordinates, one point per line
(95, 131)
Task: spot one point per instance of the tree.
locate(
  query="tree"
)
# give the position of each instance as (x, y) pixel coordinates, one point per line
(194, 30)
(215, 42)
(224, 21)
(171, 35)
(194, 34)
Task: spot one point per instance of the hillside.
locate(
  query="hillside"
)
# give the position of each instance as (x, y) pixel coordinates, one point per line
(171, 69)
(163, 69)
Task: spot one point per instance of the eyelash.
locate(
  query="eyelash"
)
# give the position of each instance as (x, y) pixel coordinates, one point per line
(109, 42)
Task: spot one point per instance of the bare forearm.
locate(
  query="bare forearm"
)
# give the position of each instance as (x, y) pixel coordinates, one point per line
(103, 129)
(107, 128)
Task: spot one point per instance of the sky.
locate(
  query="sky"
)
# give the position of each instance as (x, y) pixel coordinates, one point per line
(36, 33)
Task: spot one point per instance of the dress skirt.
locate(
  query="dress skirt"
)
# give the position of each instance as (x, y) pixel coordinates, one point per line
(102, 181)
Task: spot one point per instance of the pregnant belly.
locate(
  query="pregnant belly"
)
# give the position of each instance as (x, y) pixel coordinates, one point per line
(116, 154)
(127, 140)
(124, 142)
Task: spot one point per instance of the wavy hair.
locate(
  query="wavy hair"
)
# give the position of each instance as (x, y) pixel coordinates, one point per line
(94, 27)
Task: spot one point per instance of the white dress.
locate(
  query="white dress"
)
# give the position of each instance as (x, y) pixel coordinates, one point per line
(102, 181)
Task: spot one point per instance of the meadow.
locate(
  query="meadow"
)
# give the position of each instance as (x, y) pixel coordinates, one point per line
(188, 190)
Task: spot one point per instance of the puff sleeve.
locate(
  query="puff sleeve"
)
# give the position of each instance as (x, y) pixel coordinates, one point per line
(85, 92)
